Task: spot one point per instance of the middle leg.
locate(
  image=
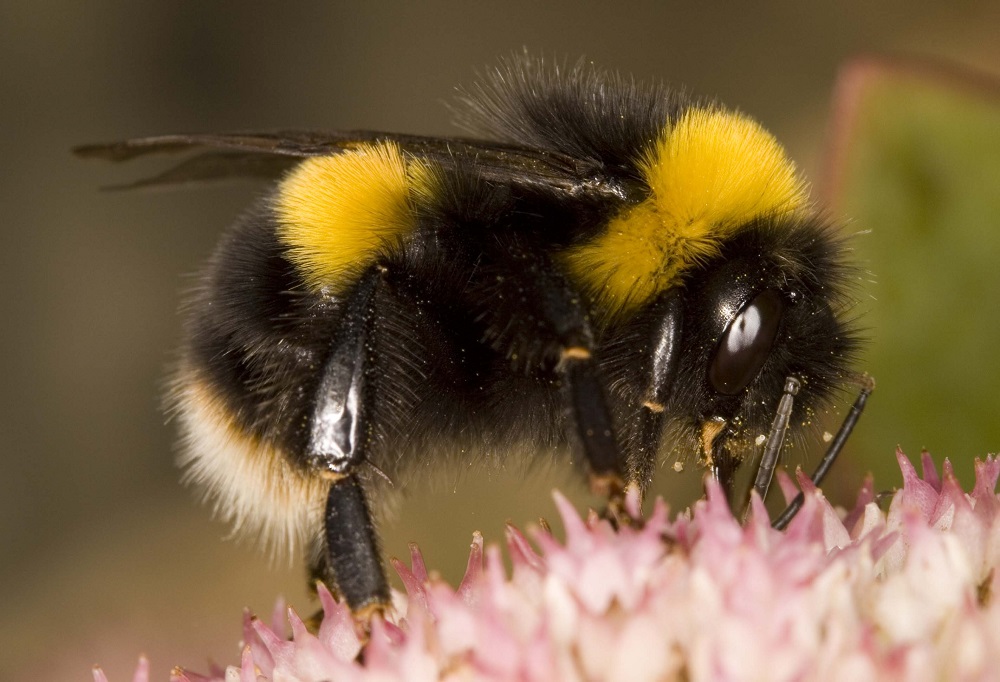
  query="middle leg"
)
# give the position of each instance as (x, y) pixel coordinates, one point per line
(539, 321)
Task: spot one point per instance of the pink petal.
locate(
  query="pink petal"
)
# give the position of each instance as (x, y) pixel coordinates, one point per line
(788, 488)
(278, 615)
(417, 566)
(415, 592)
(247, 671)
(866, 495)
(520, 550)
(254, 641)
(928, 470)
(337, 631)
(577, 532)
(986, 500)
(473, 570)
(916, 492)
(271, 651)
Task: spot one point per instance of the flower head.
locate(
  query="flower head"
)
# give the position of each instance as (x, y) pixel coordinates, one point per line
(862, 594)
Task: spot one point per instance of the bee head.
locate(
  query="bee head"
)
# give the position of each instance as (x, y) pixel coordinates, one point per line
(771, 305)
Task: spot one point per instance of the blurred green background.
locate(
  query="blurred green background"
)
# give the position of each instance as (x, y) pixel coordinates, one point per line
(102, 554)
(915, 157)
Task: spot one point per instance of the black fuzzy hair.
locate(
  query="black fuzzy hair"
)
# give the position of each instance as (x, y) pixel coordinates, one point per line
(578, 110)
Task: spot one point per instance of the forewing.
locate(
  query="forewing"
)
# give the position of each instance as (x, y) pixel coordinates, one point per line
(268, 155)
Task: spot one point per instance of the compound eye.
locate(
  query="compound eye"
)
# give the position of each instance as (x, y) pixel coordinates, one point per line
(746, 343)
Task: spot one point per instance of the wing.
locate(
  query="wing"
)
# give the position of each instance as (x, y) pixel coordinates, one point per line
(269, 154)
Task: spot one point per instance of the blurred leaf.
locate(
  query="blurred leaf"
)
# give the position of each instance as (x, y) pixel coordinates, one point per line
(916, 160)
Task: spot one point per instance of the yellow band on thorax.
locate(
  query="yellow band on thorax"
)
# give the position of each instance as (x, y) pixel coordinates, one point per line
(709, 173)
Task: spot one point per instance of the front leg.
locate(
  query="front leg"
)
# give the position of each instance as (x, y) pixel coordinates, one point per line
(664, 344)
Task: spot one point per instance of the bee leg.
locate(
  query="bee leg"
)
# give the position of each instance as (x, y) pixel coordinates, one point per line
(641, 456)
(592, 421)
(533, 306)
(867, 386)
(350, 562)
(724, 467)
(641, 460)
(353, 555)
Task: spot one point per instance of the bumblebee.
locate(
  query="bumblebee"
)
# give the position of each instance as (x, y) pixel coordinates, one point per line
(620, 272)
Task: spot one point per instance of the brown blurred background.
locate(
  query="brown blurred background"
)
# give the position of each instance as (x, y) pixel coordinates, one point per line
(103, 555)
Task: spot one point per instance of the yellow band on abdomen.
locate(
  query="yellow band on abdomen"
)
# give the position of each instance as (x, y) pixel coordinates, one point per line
(336, 213)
